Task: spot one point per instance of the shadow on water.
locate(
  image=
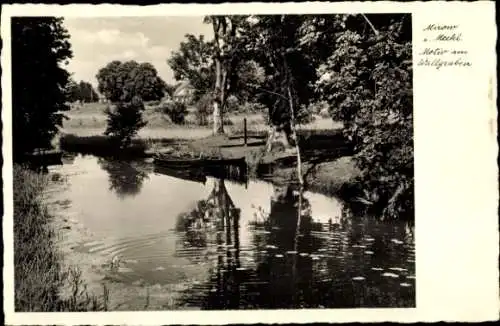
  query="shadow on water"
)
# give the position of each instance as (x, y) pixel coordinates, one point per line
(240, 246)
(125, 178)
(294, 262)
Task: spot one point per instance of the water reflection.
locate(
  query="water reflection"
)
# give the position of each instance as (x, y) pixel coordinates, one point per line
(234, 247)
(125, 178)
(295, 261)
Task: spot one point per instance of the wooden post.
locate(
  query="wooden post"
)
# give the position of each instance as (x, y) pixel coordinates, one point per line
(245, 130)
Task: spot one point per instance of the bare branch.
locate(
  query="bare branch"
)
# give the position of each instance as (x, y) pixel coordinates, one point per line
(370, 23)
(268, 91)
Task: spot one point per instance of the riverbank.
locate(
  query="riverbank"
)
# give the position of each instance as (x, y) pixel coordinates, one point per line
(40, 275)
(330, 176)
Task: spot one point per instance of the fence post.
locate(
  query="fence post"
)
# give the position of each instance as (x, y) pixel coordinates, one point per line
(245, 130)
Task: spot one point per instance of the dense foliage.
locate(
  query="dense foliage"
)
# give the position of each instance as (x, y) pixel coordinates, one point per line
(288, 70)
(357, 68)
(193, 62)
(204, 109)
(367, 81)
(128, 85)
(82, 91)
(176, 111)
(122, 81)
(39, 49)
(124, 120)
(221, 67)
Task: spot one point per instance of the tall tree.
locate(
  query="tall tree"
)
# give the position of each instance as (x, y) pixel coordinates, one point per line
(367, 80)
(72, 91)
(40, 47)
(87, 92)
(224, 28)
(275, 45)
(220, 68)
(193, 62)
(289, 72)
(121, 81)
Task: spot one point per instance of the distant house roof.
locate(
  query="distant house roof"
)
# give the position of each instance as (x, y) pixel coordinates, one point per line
(184, 89)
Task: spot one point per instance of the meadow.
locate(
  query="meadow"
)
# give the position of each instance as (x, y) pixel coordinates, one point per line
(90, 120)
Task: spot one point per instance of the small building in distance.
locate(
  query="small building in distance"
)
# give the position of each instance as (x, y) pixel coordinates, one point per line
(184, 92)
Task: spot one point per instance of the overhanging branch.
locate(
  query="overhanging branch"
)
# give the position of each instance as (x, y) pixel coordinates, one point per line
(370, 23)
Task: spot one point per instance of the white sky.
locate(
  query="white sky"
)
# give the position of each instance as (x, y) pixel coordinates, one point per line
(97, 41)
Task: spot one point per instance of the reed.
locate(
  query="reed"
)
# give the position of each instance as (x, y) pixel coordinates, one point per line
(39, 274)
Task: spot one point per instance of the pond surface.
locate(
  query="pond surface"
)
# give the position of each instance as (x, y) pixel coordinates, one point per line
(232, 245)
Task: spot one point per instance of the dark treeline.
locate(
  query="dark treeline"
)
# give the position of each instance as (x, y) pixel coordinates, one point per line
(40, 45)
(82, 91)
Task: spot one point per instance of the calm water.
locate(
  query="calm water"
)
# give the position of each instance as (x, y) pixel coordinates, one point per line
(237, 246)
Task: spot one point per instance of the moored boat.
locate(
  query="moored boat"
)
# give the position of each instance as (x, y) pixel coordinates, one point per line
(190, 174)
(190, 162)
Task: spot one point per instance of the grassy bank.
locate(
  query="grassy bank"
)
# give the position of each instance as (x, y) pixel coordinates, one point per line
(331, 178)
(39, 272)
(101, 145)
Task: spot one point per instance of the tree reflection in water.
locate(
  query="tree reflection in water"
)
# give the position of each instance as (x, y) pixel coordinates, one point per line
(285, 244)
(282, 274)
(125, 178)
(292, 261)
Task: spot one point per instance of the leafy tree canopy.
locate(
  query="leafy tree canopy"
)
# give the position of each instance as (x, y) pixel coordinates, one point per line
(367, 81)
(194, 62)
(40, 48)
(82, 91)
(121, 81)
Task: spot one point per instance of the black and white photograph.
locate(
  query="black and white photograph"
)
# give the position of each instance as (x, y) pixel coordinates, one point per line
(213, 162)
(217, 162)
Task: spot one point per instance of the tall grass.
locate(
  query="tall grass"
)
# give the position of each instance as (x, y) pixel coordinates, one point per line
(38, 271)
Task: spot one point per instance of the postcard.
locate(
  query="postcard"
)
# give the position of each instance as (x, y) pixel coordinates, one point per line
(250, 163)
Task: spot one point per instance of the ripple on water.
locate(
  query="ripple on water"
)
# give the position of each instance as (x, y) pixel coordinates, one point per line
(391, 275)
(178, 259)
(159, 268)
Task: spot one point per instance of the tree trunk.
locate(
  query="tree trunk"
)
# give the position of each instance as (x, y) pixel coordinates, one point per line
(218, 127)
(295, 139)
(220, 29)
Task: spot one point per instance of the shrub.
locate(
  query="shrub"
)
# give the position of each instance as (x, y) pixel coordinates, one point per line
(204, 109)
(124, 120)
(232, 104)
(176, 111)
